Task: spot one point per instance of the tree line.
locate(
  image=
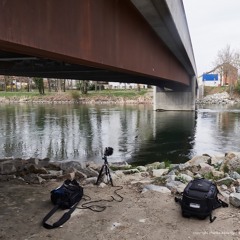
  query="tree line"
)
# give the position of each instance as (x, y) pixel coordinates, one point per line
(11, 83)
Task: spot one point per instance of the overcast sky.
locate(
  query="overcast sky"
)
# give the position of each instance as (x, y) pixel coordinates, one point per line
(213, 24)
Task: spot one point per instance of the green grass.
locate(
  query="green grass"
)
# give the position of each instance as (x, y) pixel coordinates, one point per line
(131, 93)
(18, 94)
(212, 90)
(76, 94)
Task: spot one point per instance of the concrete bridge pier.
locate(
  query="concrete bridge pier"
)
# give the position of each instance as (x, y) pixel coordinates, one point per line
(175, 100)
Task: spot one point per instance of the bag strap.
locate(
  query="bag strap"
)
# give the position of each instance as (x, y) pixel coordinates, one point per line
(223, 204)
(179, 198)
(66, 216)
(211, 218)
(220, 204)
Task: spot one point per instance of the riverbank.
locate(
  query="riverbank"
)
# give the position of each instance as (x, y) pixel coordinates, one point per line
(130, 96)
(148, 209)
(108, 97)
(222, 98)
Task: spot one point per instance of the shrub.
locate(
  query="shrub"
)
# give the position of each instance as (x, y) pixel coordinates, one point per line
(181, 179)
(75, 95)
(238, 87)
(167, 163)
(160, 181)
(225, 169)
(238, 170)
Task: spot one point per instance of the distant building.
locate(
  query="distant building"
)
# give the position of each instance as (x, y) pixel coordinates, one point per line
(228, 74)
(120, 85)
(223, 75)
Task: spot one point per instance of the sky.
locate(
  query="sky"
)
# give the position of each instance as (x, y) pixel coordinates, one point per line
(213, 24)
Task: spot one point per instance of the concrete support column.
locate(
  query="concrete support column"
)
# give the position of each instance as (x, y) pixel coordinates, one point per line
(182, 100)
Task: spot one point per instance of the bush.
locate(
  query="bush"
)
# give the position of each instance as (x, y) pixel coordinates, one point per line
(167, 163)
(75, 95)
(238, 87)
(225, 169)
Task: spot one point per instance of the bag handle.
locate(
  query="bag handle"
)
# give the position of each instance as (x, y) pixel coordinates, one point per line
(66, 216)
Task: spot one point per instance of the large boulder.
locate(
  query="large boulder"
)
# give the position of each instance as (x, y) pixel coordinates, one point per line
(7, 167)
(231, 162)
(234, 199)
(195, 161)
(226, 181)
(176, 186)
(159, 172)
(216, 160)
(155, 165)
(205, 168)
(156, 188)
(185, 177)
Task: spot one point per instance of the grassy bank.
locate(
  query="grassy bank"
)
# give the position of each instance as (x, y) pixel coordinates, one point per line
(212, 90)
(75, 95)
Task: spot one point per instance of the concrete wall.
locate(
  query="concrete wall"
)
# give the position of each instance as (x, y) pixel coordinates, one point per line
(182, 100)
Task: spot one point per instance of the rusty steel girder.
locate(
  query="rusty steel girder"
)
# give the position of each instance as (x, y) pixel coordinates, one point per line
(106, 34)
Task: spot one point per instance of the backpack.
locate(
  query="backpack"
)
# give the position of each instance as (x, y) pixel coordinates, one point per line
(199, 199)
(67, 196)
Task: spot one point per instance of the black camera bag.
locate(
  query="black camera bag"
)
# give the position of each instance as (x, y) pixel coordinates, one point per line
(199, 199)
(67, 196)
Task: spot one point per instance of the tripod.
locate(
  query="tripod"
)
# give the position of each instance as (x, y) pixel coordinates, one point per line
(106, 170)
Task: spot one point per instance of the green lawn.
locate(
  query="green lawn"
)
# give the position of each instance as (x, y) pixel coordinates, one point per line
(127, 93)
(20, 94)
(119, 93)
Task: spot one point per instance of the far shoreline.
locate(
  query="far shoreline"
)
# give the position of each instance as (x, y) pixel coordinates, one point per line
(75, 97)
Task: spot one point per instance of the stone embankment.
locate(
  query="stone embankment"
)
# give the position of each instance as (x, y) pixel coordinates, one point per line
(218, 98)
(159, 176)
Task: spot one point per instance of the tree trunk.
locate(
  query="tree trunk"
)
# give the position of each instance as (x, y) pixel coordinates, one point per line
(5, 83)
(49, 84)
(64, 85)
(138, 87)
(83, 86)
(96, 84)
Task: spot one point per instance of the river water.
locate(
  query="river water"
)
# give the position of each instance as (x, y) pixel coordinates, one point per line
(136, 132)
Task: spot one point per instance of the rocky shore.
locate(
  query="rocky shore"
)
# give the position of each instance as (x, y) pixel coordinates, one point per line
(148, 210)
(217, 99)
(158, 176)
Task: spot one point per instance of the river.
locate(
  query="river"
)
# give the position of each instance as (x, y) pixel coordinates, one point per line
(135, 132)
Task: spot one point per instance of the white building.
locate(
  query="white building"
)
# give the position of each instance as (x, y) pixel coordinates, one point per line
(119, 85)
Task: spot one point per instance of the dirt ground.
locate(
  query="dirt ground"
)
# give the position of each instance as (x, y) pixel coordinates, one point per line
(150, 215)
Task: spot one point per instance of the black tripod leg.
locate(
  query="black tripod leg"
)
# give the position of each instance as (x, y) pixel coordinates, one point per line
(99, 175)
(109, 175)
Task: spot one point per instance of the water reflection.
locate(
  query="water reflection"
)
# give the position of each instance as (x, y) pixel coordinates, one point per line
(69, 132)
(218, 130)
(137, 133)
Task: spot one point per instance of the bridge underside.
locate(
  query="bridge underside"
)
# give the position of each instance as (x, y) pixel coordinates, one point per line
(85, 39)
(103, 40)
(13, 64)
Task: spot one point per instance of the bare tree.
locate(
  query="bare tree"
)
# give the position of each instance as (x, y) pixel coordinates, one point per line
(64, 85)
(84, 86)
(40, 84)
(49, 84)
(227, 64)
(6, 82)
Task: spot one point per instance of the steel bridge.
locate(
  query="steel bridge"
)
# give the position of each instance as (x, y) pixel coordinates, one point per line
(141, 41)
